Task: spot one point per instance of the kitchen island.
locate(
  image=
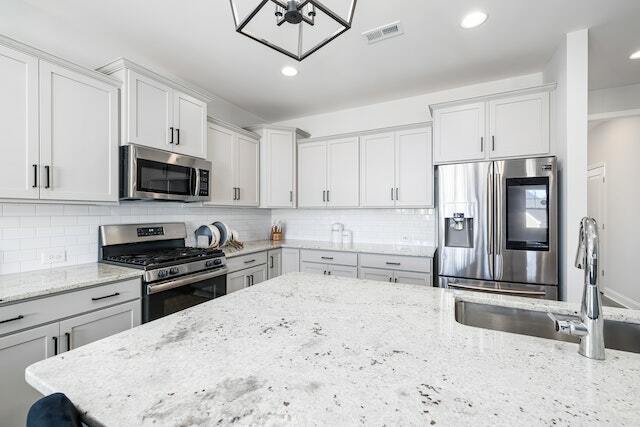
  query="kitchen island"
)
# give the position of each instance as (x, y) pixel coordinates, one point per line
(305, 349)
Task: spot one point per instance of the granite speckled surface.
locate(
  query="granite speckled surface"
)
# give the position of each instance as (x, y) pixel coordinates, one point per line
(19, 286)
(315, 350)
(372, 248)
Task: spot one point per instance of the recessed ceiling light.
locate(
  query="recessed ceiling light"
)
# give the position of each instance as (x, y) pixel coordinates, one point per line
(635, 55)
(289, 71)
(473, 19)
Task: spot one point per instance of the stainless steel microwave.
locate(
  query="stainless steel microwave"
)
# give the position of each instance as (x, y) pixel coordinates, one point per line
(151, 174)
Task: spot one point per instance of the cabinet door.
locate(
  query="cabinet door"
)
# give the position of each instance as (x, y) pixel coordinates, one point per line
(190, 125)
(411, 278)
(17, 351)
(342, 271)
(274, 260)
(19, 123)
(257, 274)
(247, 171)
(375, 274)
(414, 168)
(280, 169)
(312, 175)
(85, 329)
(313, 268)
(236, 281)
(78, 136)
(149, 112)
(377, 170)
(290, 260)
(220, 151)
(343, 173)
(519, 126)
(459, 133)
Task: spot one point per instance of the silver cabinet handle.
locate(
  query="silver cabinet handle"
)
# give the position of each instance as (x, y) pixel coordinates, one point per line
(35, 176)
(330, 258)
(390, 279)
(177, 136)
(171, 130)
(324, 195)
(395, 280)
(106, 296)
(325, 272)
(250, 261)
(493, 143)
(55, 346)
(482, 144)
(396, 193)
(239, 194)
(68, 336)
(13, 319)
(271, 261)
(391, 193)
(234, 193)
(328, 198)
(329, 272)
(47, 170)
(393, 263)
(291, 196)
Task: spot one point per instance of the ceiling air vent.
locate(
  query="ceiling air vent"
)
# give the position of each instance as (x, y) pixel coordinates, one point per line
(384, 32)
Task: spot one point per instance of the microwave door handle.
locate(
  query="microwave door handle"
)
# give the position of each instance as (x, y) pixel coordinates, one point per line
(195, 182)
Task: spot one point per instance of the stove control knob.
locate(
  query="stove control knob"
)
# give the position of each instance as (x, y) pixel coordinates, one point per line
(162, 274)
(209, 263)
(174, 270)
(217, 261)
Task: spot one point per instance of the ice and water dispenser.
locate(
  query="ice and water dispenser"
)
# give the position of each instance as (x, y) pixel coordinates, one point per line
(459, 223)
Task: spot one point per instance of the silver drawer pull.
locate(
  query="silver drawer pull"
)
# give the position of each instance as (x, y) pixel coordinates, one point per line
(250, 261)
(327, 257)
(393, 263)
(12, 320)
(105, 297)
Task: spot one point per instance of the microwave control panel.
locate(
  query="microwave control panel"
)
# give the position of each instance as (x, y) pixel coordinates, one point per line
(204, 182)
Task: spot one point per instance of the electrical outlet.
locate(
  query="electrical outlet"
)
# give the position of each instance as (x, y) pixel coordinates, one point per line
(54, 256)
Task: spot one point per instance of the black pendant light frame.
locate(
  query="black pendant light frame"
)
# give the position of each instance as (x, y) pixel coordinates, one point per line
(309, 20)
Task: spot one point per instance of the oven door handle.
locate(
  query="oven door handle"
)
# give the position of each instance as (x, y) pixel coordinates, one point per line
(183, 281)
(496, 291)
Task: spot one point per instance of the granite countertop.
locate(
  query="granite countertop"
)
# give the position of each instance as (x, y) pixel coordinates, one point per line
(315, 350)
(40, 283)
(372, 248)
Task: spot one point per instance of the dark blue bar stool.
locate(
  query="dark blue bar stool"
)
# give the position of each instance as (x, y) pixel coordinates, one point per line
(55, 410)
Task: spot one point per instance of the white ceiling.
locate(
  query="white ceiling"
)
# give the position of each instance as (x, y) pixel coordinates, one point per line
(196, 40)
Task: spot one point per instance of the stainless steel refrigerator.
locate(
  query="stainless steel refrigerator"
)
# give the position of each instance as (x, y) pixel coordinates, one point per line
(498, 227)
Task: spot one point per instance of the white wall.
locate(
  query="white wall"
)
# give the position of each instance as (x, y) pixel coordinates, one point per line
(569, 68)
(402, 111)
(392, 226)
(616, 143)
(614, 99)
(27, 231)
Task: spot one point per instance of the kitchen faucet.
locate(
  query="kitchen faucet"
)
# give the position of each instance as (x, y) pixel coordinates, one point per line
(590, 326)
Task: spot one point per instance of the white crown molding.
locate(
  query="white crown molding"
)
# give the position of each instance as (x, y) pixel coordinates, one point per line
(40, 54)
(301, 134)
(526, 91)
(231, 126)
(613, 115)
(169, 80)
(368, 132)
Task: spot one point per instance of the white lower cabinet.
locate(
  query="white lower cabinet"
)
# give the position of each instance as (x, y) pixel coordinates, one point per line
(245, 278)
(85, 329)
(17, 351)
(24, 347)
(274, 263)
(290, 260)
(395, 276)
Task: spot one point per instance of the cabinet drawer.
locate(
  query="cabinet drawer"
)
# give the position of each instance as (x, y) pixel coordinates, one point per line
(329, 257)
(49, 309)
(246, 261)
(396, 262)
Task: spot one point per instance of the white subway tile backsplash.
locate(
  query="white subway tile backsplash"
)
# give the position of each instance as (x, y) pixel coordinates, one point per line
(75, 210)
(49, 210)
(63, 220)
(18, 209)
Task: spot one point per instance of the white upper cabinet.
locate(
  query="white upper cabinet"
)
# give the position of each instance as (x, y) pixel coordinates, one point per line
(160, 112)
(278, 166)
(397, 169)
(499, 126)
(234, 155)
(149, 110)
(414, 168)
(329, 173)
(19, 123)
(190, 125)
(377, 170)
(519, 126)
(312, 175)
(459, 133)
(59, 128)
(247, 171)
(79, 136)
(343, 173)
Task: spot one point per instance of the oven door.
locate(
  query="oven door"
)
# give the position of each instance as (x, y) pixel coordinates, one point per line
(148, 173)
(165, 298)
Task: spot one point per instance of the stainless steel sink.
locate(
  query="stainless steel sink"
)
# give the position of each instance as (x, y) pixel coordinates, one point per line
(617, 335)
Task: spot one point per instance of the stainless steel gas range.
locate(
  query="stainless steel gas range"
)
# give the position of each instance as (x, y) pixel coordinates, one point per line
(175, 277)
